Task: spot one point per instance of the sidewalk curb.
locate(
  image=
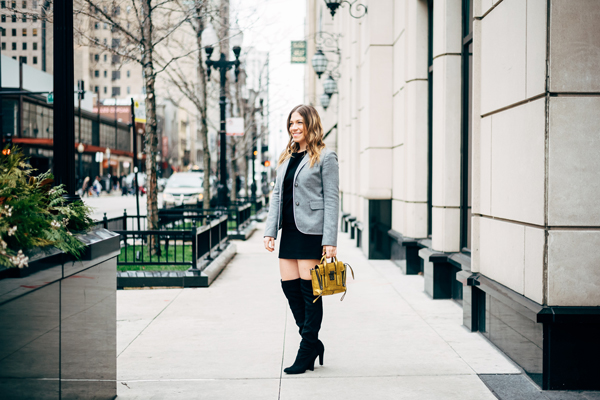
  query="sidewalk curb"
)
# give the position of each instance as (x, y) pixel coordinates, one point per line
(219, 263)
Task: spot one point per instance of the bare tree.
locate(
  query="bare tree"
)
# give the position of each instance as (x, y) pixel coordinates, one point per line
(144, 28)
(197, 91)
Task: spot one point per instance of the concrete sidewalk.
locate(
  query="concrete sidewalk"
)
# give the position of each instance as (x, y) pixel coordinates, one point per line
(386, 340)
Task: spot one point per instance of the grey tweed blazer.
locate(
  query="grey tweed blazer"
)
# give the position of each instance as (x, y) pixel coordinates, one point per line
(316, 194)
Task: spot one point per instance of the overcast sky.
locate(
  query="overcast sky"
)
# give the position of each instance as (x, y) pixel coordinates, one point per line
(271, 25)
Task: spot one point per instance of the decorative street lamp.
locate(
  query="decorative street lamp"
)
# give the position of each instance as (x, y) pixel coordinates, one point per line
(325, 99)
(333, 5)
(330, 86)
(223, 66)
(319, 63)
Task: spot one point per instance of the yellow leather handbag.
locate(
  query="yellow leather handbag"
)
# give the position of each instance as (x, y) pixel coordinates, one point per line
(329, 278)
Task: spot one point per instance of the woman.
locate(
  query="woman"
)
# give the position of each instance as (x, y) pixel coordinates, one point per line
(304, 204)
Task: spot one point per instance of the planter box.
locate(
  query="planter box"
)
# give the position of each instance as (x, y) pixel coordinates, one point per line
(58, 330)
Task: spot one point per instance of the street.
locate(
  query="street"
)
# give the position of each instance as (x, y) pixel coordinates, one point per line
(114, 204)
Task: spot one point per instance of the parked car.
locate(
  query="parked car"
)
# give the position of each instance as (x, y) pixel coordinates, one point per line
(183, 188)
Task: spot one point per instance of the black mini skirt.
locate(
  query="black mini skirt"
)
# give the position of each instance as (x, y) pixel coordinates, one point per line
(296, 245)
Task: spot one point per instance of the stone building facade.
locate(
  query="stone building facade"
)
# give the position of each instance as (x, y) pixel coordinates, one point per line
(467, 141)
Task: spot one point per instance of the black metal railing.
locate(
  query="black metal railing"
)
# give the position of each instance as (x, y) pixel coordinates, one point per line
(194, 247)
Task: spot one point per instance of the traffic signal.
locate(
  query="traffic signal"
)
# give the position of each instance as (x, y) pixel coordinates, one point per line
(267, 163)
(6, 144)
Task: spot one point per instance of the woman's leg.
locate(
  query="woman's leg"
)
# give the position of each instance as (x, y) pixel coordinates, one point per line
(305, 266)
(290, 284)
(289, 269)
(310, 347)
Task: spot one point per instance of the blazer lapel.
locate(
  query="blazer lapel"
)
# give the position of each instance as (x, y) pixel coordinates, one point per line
(284, 168)
(302, 164)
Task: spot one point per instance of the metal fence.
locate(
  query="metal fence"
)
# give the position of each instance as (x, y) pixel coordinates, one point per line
(195, 246)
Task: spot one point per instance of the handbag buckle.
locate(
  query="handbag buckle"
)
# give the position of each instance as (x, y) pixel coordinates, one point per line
(331, 275)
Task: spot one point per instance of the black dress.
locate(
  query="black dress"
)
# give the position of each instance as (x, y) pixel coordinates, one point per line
(295, 244)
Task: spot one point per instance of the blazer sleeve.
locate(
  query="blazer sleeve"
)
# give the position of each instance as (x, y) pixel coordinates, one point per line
(330, 176)
(271, 226)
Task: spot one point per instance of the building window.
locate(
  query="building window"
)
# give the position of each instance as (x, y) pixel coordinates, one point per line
(3, 46)
(13, 4)
(105, 74)
(105, 90)
(14, 46)
(24, 31)
(34, 4)
(116, 75)
(35, 60)
(96, 88)
(430, 115)
(96, 25)
(466, 125)
(128, 73)
(128, 90)
(24, 45)
(3, 31)
(116, 59)
(105, 41)
(24, 4)
(24, 18)
(34, 18)
(3, 18)
(105, 25)
(3, 5)
(116, 91)
(35, 45)
(96, 57)
(96, 74)
(13, 18)
(105, 59)
(34, 32)
(14, 32)
(23, 59)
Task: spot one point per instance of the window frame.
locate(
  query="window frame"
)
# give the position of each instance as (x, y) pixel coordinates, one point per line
(466, 181)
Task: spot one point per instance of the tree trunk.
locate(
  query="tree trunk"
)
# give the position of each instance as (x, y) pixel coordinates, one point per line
(206, 159)
(150, 137)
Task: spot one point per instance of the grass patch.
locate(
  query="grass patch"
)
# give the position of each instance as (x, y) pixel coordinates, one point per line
(179, 253)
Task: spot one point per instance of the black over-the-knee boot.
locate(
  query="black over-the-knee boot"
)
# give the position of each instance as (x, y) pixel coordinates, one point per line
(310, 346)
(293, 293)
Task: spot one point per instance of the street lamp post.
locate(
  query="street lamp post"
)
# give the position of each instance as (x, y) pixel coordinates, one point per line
(223, 66)
(64, 124)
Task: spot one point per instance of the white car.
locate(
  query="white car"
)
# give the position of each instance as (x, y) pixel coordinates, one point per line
(183, 188)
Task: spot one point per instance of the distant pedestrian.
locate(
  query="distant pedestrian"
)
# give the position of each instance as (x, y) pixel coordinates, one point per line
(84, 186)
(97, 186)
(304, 204)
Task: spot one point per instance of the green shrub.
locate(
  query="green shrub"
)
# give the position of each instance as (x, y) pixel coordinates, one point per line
(34, 213)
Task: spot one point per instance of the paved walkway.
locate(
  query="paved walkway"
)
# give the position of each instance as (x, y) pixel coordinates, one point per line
(386, 340)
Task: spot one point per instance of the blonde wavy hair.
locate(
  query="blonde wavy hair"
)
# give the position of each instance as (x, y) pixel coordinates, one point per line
(313, 133)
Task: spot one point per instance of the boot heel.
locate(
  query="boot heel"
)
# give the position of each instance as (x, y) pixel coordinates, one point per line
(321, 356)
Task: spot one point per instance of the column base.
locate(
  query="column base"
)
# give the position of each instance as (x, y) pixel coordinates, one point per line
(440, 275)
(405, 253)
(558, 347)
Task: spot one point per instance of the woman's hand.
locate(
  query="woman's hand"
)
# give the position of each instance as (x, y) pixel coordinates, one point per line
(269, 243)
(330, 251)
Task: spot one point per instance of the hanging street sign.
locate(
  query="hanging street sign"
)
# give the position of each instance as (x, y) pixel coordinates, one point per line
(234, 126)
(50, 98)
(299, 52)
